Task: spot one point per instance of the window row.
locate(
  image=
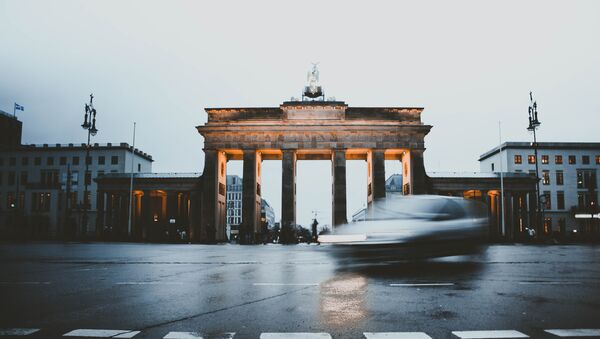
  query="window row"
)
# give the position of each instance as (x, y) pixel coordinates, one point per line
(47, 177)
(558, 159)
(41, 201)
(50, 161)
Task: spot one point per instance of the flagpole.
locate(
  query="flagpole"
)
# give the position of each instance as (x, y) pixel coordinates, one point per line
(501, 177)
(131, 184)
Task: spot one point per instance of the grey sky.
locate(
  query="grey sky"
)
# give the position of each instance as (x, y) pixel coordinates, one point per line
(469, 63)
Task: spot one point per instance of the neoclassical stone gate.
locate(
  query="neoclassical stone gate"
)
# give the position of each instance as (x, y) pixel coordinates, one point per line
(299, 130)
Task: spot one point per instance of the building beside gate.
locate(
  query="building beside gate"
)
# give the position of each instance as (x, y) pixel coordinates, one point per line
(568, 172)
(35, 193)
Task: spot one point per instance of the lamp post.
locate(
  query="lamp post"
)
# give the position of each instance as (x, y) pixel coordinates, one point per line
(90, 126)
(534, 123)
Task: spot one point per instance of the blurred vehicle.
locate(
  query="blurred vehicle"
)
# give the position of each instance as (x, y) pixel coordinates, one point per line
(408, 227)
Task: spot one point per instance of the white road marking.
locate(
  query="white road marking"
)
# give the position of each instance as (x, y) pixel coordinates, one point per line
(196, 335)
(578, 332)
(422, 285)
(24, 283)
(549, 283)
(300, 335)
(101, 333)
(18, 331)
(396, 335)
(489, 334)
(285, 284)
(149, 283)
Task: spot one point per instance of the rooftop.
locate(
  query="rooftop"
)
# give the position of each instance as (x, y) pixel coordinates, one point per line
(169, 175)
(541, 145)
(481, 175)
(95, 146)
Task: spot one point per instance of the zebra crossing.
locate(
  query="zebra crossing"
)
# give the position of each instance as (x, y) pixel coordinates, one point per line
(480, 334)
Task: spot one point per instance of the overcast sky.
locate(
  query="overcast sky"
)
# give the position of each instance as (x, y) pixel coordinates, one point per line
(469, 63)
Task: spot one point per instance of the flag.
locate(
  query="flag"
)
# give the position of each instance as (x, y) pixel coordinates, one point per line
(19, 107)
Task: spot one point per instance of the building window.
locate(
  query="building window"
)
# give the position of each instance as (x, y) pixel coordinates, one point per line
(50, 161)
(139, 167)
(10, 200)
(547, 225)
(518, 159)
(114, 160)
(75, 161)
(88, 160)
(37, 161)
(24, 161)
(12, 161)
(572, 160)
(585, 159)
(545, 160)
(547, 201)
(11, 178)
(546, 177)
(558, 159)
(62, 161)
(74, 178)
(49, 178)
(598, 160)
(101, 160)
(492, 167)
(88, 178)
(586, 179)
(531, 159)
(560, 200)
(559, 178)
(581, 200)
(23, 178)
(40, 202)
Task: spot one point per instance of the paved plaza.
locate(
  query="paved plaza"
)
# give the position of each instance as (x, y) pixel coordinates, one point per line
(126, 290)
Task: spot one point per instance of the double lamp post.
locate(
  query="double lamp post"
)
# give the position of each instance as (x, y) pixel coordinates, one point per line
(90, 126)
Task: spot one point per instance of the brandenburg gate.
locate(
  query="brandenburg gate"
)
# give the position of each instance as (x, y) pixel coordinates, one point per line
(305, 130)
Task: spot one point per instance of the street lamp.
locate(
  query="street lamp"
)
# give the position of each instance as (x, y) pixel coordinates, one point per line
(534, 123)
(90, 126)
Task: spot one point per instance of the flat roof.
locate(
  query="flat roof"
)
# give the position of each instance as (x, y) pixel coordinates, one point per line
(167, 175)
(481, 175)
(78, 146)
(541, 145)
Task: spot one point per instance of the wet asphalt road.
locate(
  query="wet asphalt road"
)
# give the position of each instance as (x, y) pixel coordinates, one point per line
(251, 290)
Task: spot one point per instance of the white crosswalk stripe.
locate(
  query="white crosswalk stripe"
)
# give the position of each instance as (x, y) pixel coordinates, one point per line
(96, 333)
(18, 331)
(578, 332)
(396, 335)
(300, 335)
(489, 334)
(197, 335)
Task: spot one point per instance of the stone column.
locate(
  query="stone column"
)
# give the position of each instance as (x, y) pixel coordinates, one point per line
(419, 176)
(288, 195)
(109, 211)
(250, 227)
(213, 197)
(338, 167)
(146, 219)
(100, 212)
(376, 163)
(172, 214)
